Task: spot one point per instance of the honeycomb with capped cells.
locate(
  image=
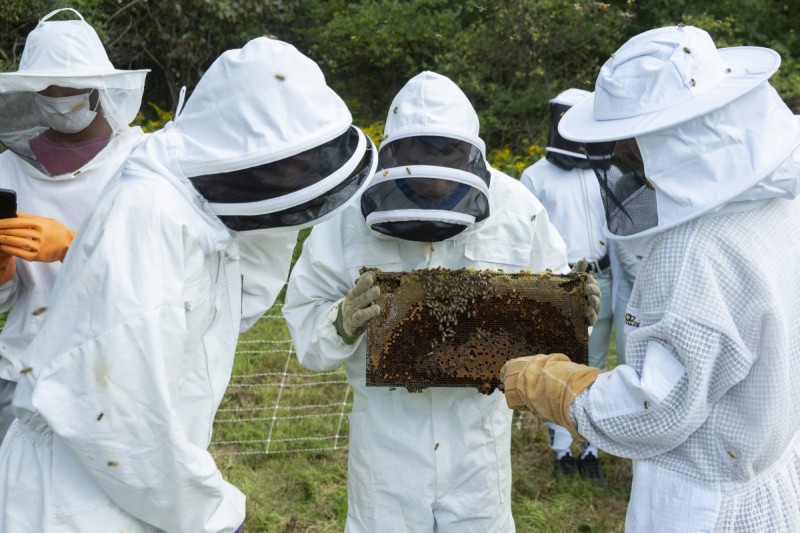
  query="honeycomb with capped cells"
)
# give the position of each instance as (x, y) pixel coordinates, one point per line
(456, 328)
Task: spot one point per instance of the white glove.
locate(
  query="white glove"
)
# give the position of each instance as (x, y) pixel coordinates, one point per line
(358, 308)
(591, 289)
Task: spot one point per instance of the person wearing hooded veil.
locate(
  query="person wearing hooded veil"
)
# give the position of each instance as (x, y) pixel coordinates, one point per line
(703, 183)
(565, 184)
(118, 391)
(437, 460)
(64, 119)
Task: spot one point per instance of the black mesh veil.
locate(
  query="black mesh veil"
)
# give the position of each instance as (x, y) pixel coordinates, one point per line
(628, 197)
(561, 152)
(290, 192)
(24, 130)
(427, 188)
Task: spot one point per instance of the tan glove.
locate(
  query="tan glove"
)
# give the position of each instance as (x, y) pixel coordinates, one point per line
(358, 308)
(547, 384)
(7, 267)
(35, 238)
(591, 289)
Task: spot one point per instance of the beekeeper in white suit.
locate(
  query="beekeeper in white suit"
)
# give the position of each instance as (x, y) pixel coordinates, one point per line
(565, 184)
(64, 118)
(117, 395)
(438, 460)
(704, 182)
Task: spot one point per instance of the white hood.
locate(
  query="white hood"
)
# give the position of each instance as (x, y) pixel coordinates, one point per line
(745, 151)
(710, 128)
(433, 179)
(68, 53)
(431, 104)
(258, 104)
(255, 106)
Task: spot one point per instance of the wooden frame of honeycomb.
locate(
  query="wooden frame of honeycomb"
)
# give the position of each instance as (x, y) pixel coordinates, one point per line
(456, 328)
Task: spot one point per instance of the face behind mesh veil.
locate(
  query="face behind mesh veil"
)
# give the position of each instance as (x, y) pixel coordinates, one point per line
(67, 54)
(628, 197)
(561, 152)
(295, 192)
(427, 189)
(433, 180)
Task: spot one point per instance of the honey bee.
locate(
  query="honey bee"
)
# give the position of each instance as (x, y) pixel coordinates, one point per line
(112, 463)
(280, 77)
(25, 370)
(99, 417)
(38, 311)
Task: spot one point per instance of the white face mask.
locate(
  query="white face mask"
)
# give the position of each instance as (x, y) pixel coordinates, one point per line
(67, 114)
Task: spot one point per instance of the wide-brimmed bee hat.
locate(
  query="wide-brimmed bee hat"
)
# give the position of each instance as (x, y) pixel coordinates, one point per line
(664, 77)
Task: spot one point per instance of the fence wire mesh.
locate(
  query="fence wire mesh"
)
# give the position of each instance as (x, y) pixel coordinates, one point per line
(275, 406)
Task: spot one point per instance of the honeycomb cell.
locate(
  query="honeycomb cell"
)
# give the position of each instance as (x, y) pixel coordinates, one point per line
(456, 328)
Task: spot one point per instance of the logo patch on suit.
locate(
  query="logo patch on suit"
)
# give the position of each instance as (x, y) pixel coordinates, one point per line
(631, 320)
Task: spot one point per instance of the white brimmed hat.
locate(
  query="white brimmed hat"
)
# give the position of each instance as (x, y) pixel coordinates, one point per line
(67, 53)
(570, 97)
(664, 77)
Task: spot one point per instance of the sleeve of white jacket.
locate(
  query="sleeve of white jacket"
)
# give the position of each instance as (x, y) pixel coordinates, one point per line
(317, 285)
(527, 180)
(265, 263)
(111, 383)
(683, 358)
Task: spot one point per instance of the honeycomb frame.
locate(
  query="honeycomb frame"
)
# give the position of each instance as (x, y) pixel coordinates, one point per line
(456, 328)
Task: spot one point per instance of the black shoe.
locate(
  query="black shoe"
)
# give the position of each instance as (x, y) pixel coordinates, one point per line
(567, 466)
(589, 468)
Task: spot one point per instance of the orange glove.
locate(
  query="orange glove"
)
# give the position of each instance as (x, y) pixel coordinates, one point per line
(34, 238)
(7, 267)
(547, 384)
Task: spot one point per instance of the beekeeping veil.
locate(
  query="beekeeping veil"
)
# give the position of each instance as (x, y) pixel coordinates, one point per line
(709, 127)
(264, 140)
(432, 180)
(64, 53)
(562, 152)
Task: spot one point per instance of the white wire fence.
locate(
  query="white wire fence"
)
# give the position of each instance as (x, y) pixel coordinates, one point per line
(275, 406)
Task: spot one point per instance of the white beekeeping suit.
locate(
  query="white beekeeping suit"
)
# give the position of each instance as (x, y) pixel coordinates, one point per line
(567, 187)
(703, 184)
(192, 243)
(440, 459)
(66, 54)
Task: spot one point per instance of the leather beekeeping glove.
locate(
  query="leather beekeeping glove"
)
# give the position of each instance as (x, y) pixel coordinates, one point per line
(591, 289)
(547, 384)
(35, 238)
(358, 308)
(7, 267)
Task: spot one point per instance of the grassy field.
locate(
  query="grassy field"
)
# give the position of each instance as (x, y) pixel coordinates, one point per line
(281, 437)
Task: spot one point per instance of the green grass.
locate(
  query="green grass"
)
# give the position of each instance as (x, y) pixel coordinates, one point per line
(306, 491)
